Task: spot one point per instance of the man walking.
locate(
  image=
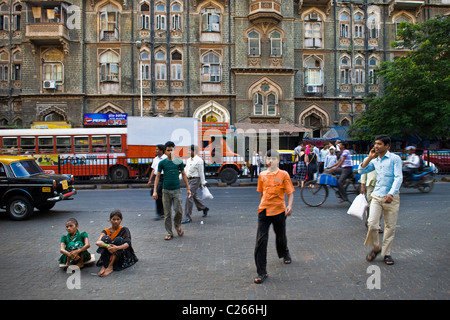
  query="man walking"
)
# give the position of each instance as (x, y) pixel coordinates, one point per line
(196, 178)
(158, 157)
(171, 192)
(385, 197)
(273, 184)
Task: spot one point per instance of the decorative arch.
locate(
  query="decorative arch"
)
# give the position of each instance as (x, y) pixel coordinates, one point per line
(52, 109)
(313, 10)
(317, 111)
(109, 108)
(271, 86)
(212, 108)
(101, 4)
(404, 13)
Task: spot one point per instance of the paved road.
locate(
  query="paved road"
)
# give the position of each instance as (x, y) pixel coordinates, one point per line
(214, 260)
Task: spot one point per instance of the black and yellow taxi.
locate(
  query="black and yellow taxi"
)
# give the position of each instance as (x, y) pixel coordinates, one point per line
(25, 186)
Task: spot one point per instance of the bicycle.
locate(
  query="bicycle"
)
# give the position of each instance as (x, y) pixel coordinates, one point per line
(315, 192)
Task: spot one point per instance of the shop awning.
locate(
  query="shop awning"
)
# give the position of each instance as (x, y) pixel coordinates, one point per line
(337, 133)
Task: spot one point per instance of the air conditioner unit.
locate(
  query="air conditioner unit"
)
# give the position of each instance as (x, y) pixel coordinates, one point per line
(313, 16)
(311, 89)
(49, 84)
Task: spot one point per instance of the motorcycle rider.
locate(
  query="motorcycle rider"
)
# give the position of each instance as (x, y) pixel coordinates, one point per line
(412, 162)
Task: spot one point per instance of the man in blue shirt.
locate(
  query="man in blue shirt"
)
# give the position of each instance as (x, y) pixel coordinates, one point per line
(385, 196)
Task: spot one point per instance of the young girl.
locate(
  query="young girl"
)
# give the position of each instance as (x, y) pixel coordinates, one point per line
(74, 245)
(116, 252)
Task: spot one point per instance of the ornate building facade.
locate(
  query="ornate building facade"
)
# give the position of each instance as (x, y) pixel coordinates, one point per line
(291, 64)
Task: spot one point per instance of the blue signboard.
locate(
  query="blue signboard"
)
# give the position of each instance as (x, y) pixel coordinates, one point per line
(105, 119)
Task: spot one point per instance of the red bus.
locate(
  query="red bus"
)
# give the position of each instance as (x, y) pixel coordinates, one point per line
(81, 152)
(90, 153)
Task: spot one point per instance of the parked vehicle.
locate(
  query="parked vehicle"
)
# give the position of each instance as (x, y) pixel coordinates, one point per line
(25, 186)
(439, 158)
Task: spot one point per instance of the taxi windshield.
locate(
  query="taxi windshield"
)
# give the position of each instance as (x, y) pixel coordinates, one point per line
(25, 168)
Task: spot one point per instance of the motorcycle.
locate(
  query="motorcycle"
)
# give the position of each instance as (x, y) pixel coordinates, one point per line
(422, 180)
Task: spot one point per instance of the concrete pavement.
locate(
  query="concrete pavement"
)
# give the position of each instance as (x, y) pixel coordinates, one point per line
(214, 260)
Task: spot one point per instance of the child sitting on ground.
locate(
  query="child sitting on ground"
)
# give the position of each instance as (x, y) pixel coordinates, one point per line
(74, 245)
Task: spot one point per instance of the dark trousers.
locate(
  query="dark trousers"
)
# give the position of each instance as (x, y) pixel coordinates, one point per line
(262, 238)
(253, 172)
(344, 172)
(159, 203)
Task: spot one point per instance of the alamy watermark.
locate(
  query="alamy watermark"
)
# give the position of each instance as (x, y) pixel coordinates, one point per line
(74, 280)
(374, 280)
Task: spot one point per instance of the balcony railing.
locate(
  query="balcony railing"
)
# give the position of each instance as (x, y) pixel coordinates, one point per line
(315, 90)
(265, 11)
(44, 31)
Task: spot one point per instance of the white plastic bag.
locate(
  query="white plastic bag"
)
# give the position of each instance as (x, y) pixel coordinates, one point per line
(358, 207)
(206, 195)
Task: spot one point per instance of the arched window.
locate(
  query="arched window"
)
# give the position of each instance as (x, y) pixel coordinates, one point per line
(373, 64)
(254, 44)
(398, 21)
(276, 45)
(160, 66)
(313, 74)
(145, 60)
(345, 70)
(344, 25)
(313, 30)
(176, 66)
(17, 66)
(144, 17)
(211, 68)
(4, 17)
(358, 25)
(109, 67)
(160, 16)
(4, 61)
(210, 20)
(109, 23)
(358, 72)
(176, 17)
(372, 26)
(52, 65)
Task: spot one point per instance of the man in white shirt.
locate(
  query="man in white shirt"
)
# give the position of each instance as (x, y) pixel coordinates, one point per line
(412, 162)
(196, 179)
(254, 165)
(160, 149)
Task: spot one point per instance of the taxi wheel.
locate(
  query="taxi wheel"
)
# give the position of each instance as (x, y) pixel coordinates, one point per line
(19, 208)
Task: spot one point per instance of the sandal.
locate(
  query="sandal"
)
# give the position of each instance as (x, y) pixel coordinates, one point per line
(372, 255)
(180, 232)
(260, 278)
(168, 237)
(388, 260)
(287, 259)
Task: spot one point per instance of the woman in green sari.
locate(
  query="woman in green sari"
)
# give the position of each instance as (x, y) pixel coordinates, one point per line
(74, 245)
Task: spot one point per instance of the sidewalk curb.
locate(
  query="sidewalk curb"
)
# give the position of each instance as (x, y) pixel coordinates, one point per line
(241, 183)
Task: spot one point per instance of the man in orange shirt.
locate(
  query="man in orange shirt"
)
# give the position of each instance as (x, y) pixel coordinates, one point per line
(273, 184)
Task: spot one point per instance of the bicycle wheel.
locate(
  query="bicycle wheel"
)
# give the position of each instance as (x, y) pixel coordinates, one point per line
(352, 189)
(314, 194)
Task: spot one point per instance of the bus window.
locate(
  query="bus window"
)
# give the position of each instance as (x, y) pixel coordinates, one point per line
(28, 144)
(9, 145)
(98, 143)
(81, 144)
(115, 143)
(63, 145)
(45, 145)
